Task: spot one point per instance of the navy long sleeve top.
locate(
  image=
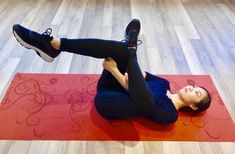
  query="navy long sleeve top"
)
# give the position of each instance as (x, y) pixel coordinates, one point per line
(164, 111)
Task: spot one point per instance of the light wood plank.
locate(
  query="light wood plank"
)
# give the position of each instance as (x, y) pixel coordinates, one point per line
(192, 33)
(18, 147)
(134, 147)
(75, 147)
(189, 52)
(227, 12)
(61, 12)
(41, 146)
(58, 147)
(6, 74)
(172, 147)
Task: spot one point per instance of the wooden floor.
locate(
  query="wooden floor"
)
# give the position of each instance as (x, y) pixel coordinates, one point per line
(179, 37)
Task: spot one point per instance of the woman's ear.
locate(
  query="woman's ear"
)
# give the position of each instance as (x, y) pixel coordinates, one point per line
(192, 106)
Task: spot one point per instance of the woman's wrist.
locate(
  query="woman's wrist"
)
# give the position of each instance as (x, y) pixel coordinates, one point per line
(120, 78)
(115, 70)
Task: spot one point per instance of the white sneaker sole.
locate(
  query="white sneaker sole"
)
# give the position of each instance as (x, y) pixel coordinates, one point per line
(44, 56)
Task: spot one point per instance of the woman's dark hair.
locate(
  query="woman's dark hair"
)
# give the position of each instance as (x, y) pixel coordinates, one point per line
(202, 105)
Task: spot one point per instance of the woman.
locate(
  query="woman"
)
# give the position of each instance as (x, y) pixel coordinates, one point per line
(117, 97)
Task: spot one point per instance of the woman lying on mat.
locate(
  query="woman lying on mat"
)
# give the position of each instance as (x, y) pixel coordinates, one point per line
(118, 98)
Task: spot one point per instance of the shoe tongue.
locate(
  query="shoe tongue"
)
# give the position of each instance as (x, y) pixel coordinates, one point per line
(39, 37)
(47, 37)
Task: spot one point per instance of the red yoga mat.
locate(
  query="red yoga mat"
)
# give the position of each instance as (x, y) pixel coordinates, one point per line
(61, 107)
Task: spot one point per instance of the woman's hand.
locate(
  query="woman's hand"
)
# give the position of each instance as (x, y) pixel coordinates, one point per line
(109, 64)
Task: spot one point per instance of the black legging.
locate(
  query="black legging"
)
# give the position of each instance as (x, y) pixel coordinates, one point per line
(112, 100)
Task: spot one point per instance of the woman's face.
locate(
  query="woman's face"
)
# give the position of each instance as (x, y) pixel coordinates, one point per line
(190, 95)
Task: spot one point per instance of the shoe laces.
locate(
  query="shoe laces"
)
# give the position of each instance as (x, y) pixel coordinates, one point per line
(139, 42)
(47, 32)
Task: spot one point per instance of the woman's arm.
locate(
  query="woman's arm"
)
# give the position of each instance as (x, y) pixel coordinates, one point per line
(143, 72)
(123, 79)
(110, 65)
(120, 78)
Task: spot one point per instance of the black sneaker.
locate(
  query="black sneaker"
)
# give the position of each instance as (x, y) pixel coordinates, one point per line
(132, 33)
(38, 42)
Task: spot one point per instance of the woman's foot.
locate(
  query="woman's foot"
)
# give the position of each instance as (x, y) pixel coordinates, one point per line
(132, 33)
(45, 45)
